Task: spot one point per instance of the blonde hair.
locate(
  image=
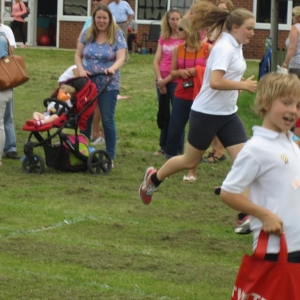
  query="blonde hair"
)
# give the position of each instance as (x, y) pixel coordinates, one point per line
(111, 29)
(208, 16)
(68, 89)
(192, 36)
(166, 30)
(228, 4)
(296, 13)
(273, 86)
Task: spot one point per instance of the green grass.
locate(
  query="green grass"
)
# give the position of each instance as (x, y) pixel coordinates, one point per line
(79, 236)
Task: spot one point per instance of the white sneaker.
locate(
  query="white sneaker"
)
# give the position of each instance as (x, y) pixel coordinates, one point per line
(98, 141)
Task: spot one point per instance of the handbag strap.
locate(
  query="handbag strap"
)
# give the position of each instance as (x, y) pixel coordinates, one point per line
(262, 245)
(9, 51)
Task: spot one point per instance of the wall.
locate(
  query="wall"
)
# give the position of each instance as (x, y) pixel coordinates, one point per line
(69, 32)
(254, 50)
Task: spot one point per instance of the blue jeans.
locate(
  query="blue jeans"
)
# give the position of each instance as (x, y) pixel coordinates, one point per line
(107, 103)
(171, 87)
(178, 119)
(9, 128)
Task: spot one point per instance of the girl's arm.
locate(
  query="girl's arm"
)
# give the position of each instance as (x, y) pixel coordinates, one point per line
(218, 82)
(292, 47)
(156, 61)
(271, 223)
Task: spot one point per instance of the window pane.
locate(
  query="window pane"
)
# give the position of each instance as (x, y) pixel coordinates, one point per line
(182, 5)
(151, 9)
(75, 8)
(263, 11)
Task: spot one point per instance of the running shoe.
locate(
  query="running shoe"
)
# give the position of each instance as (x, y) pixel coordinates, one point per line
(147, 188)
(243, 225)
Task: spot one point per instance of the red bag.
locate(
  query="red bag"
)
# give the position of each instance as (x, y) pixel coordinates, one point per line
(259, 279)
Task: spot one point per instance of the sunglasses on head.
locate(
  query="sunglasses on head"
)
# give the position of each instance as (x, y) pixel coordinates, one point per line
(180, 29)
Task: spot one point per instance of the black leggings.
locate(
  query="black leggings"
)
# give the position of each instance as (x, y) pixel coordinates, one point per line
(19, 25)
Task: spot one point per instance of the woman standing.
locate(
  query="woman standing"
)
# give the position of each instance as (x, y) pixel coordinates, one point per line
(101, 48)
(188, 65)
(162, 67)
(5, 96)
(215, 106)
(19, 9)
(292, 58)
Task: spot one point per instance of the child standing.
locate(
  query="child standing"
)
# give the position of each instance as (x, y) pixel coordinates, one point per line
(269, 164)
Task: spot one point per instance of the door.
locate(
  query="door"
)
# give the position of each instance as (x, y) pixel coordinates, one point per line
(30, 21)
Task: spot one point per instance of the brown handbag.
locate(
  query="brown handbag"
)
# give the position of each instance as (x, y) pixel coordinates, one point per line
(12, 70)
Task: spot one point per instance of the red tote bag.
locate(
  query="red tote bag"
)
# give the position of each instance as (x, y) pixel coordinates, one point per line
(259, 279)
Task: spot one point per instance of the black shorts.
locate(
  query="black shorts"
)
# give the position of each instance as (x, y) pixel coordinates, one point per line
(203, 128)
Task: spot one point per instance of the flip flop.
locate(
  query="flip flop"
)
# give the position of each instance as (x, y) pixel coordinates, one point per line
(215, 158)
(119, 97)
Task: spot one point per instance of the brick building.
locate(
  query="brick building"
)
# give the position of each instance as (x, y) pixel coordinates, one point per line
(62, 20)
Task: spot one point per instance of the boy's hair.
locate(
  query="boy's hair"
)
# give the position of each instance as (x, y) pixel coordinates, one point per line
(192, 36)
(273, 86)
(166, 30)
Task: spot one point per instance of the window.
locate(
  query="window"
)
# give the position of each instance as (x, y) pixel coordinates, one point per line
(75, 8)
(263, 11)
(153, 10)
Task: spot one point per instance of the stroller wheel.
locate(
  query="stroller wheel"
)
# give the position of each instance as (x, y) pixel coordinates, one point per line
(34, 165)
(98, 161)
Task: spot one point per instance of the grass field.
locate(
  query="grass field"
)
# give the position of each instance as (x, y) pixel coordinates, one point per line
(79, 236)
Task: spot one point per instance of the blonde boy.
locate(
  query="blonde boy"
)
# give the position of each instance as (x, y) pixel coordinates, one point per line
(269, 164)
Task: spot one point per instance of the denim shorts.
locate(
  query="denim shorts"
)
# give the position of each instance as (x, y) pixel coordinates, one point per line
(203, 128)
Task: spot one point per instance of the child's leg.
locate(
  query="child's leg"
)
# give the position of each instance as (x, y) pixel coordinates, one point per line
(187, 161)
(38, 116)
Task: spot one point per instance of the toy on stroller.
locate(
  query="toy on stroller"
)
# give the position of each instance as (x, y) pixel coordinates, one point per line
(71, 151)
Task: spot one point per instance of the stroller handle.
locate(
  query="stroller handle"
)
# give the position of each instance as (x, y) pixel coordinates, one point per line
(100, 74)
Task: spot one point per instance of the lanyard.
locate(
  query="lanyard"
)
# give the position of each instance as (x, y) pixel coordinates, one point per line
(185, 58)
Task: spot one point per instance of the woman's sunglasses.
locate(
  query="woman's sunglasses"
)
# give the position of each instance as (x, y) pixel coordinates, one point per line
(180, 29)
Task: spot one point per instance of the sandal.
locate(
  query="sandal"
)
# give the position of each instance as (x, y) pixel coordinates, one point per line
(214, 158)
(189, 178)
(159, 153)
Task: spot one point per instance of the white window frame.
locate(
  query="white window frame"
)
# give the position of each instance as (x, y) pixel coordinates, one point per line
(62, 17)
(268, 25)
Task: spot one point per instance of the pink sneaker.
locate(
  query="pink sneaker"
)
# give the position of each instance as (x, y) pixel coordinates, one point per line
(243, 226)
(147, 188)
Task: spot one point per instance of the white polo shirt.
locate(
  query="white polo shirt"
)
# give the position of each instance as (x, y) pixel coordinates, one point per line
(269, 164)
(6, 31)
(226, 55)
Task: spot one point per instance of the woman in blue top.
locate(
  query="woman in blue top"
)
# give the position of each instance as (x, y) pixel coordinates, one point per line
(101, 48)
(5, 97)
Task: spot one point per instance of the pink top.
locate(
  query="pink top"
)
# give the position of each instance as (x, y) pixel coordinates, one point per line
(17, 12)
(166, 57)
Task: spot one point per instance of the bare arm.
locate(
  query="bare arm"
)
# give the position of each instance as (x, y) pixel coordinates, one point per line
(120, 59)
(156, 61)
(218, 82)
(271, 223)
(293, 35)
(78, 60)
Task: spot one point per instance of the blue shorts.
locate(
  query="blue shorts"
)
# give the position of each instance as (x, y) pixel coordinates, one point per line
(203, 128)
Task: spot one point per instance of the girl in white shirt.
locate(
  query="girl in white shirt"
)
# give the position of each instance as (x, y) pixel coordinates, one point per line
(214, 110)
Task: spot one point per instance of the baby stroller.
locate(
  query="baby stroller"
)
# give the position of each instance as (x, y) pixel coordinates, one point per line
(70, 152)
